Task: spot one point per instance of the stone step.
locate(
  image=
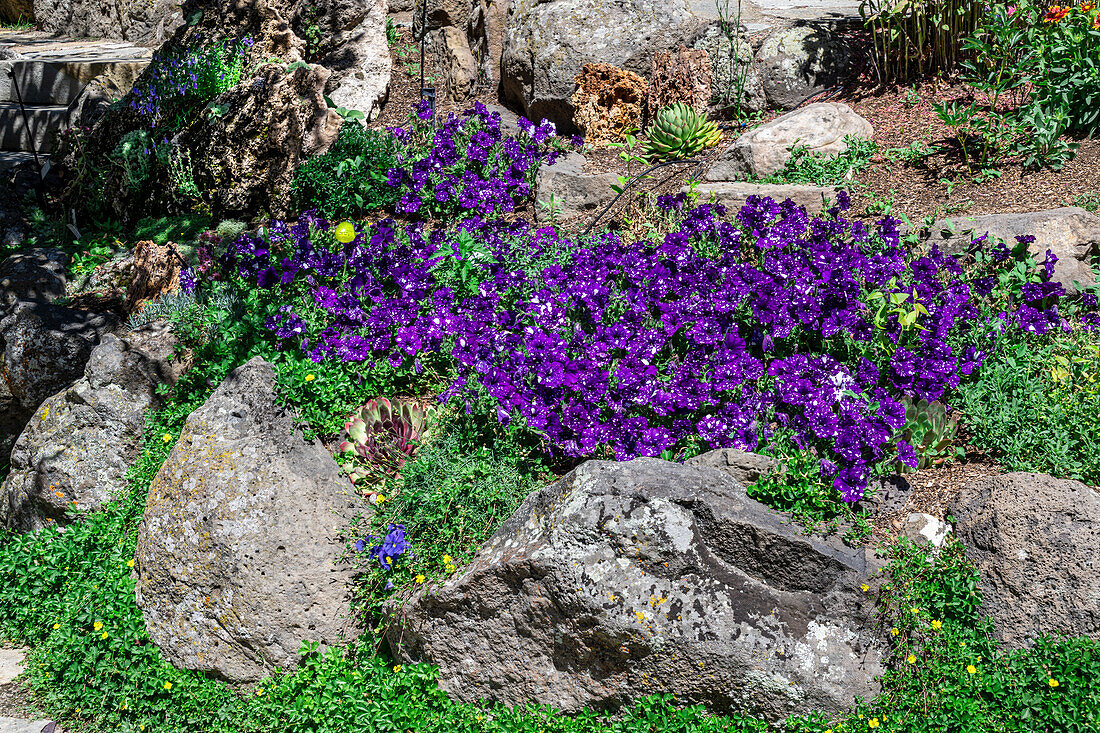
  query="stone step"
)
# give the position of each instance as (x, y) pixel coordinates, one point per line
(11, 158)
(59, 81)
(45, 122)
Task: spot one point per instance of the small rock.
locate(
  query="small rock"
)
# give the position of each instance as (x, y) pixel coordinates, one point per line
(820, 127)
(509, 120)
(733, 195)
(680, 77)
(607, 103)
(1034, 540)
(458, 66)
(17, 725)
(37, 275)
(236, 553)
(924, 528)
(572, 191)
(745, 467)
(798, 62)
(1071, 233)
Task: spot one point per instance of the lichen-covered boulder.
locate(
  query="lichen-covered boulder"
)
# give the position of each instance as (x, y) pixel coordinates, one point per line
(822, 128)
(548, 42)
(798, 62)
(75, 451)
(735, 83)
(629, 579)
(43, 349)
(1035, 541)
(237, 551)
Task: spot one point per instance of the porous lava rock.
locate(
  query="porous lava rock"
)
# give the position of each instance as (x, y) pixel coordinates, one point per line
(683, 76)
(628, 579)
(608, 103)
(548, 42)
(1035, 540)
(43, 349)
(75, 451)
(821, 128)
(237, 552)
(1071, 233)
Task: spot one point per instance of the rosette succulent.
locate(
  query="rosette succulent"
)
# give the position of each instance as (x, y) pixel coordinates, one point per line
(380, 436)
(678, 131)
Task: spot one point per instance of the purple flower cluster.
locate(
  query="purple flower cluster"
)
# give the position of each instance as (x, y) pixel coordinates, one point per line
(393, 546)
(467, 163)
(732, 332)
(194, 75)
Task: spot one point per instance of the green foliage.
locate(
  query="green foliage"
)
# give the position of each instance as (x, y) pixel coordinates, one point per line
(134, 155)
(351, 176)
(931, 432)
(916, 39)
(679, 132)
(806, 166)
(947, 673)
(1036, 405)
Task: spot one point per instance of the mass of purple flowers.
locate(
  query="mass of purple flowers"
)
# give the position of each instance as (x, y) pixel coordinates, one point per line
(176, 79)
(467, 164)
(732, 333)
(392, 546)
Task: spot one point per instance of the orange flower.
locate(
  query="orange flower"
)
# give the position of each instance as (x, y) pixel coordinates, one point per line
(1086, 6)
(1056, 13)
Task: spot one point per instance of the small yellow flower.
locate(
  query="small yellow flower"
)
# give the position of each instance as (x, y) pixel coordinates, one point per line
(259, 691)
(380, 498)
(397, 668)
(168, 685)
(97, 626)
(911, 659)
(167, 437)
(937, 625)
(448, 559)
(872, 723)
(865, 587)
(915, 610)
(125, 706)
(310, 377)
(56, 627)
(419, 579)
(1053, 682)
(971, 669)
(130, 563)
(141, 727)
(894, 631)
(103, 635)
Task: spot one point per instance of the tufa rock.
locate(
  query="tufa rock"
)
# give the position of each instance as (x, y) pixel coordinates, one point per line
(798, 62)
(355, 51)
(76, 449)
(734, 195)
(680, 77)
(147, 22)
(571, 191)
(460, 68)
(155, 270)
(607, 103)
(236, 553)
(1071, 233)
(820, 127)
(1034, 540)
(630, 579)
(736, 86)
(548, 42)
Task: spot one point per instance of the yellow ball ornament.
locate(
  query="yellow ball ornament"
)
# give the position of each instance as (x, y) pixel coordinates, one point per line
(345, 232)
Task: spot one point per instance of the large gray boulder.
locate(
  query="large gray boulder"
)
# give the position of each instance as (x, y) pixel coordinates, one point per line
(628, 579)
(76, 449)
(547, 42)
(36, 275)
(361, 55)
(236, 553)
(1071, 233)
(735, 79)
(798, 62)
(1035, 540)
(820, 127)
(43, 349)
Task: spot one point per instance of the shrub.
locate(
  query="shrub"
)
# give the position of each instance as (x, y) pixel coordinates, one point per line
(350, 178)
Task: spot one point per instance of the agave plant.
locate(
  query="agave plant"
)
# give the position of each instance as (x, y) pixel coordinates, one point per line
(678, 132)
(930, 430)
(380, 436)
